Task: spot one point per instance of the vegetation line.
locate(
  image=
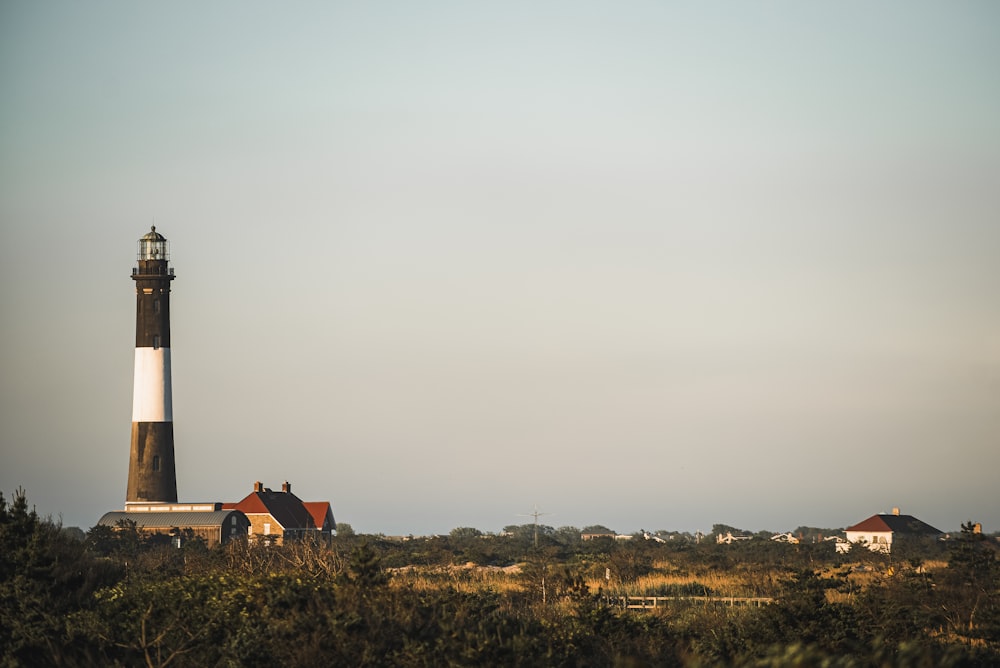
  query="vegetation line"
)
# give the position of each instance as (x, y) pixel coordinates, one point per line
(117, 597)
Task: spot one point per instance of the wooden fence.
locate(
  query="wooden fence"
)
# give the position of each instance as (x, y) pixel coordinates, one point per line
(652, 602)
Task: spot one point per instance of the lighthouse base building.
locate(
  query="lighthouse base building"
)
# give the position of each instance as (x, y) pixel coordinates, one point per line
(182, 521)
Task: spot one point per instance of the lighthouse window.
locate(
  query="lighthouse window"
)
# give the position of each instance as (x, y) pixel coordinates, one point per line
(156, 306)
(156, 341)
(156, 462)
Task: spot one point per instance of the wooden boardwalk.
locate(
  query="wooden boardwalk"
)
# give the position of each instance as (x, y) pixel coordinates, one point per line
(653, 602)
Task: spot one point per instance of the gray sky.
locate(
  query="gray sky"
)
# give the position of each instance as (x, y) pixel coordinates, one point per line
(643, 264)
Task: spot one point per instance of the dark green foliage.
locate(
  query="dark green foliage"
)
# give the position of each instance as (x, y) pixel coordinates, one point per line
(366, 568)
(69, 602)
(44, 575)
(597, 528)
(630, 562)
(465, 533)
(970, 597)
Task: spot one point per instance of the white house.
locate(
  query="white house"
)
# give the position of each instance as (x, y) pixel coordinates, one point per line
(878, 531)
(729, 538)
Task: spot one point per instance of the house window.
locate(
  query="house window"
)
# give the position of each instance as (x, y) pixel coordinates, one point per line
(267, 528)
(156, 462)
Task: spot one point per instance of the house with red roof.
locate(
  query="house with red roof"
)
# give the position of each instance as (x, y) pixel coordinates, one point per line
(879, 531)
(279, 516)
(322, 515)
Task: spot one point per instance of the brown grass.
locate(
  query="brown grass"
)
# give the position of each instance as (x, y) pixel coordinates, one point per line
(737, 582)
(468, 578)
(862, 576)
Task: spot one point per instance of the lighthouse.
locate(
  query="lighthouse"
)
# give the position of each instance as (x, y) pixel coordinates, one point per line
(151, 496)
(152, 476)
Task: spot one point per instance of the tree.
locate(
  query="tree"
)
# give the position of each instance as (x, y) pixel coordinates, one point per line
(365, 567)
(124, 540)
(972, 584)
(530, 535)
(45, 574)
(567, 536)
(596, 528)
(464, 533)
(629, 561)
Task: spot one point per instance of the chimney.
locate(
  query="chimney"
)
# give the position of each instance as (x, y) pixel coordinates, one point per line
(258, 486)
(286, 487)
(895, 511)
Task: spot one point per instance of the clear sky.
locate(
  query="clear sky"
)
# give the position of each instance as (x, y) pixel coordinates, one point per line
(644, 264)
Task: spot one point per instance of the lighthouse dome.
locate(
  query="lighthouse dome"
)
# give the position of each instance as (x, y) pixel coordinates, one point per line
(153, 246)
(153, 235)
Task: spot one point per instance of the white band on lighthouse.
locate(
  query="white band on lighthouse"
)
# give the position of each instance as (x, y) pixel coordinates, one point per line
(151, 393)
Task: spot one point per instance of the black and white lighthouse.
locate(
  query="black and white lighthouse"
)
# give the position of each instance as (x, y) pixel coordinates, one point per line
(152, 476)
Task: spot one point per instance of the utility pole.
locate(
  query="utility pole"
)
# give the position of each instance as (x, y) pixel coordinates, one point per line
(535, 514)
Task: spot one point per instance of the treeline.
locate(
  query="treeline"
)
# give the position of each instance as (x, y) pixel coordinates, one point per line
(121, 598)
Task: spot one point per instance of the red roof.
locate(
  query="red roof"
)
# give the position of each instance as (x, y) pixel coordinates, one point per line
(287, 509)
(321, 513)
(895, 524)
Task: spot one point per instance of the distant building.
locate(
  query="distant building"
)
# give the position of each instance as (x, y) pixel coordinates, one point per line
(879, 531)
(787, 537)
(282, 516)
(841, 544)
(729, 538)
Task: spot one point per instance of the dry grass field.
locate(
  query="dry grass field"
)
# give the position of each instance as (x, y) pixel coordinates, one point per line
(467, 578)
(666, 578)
